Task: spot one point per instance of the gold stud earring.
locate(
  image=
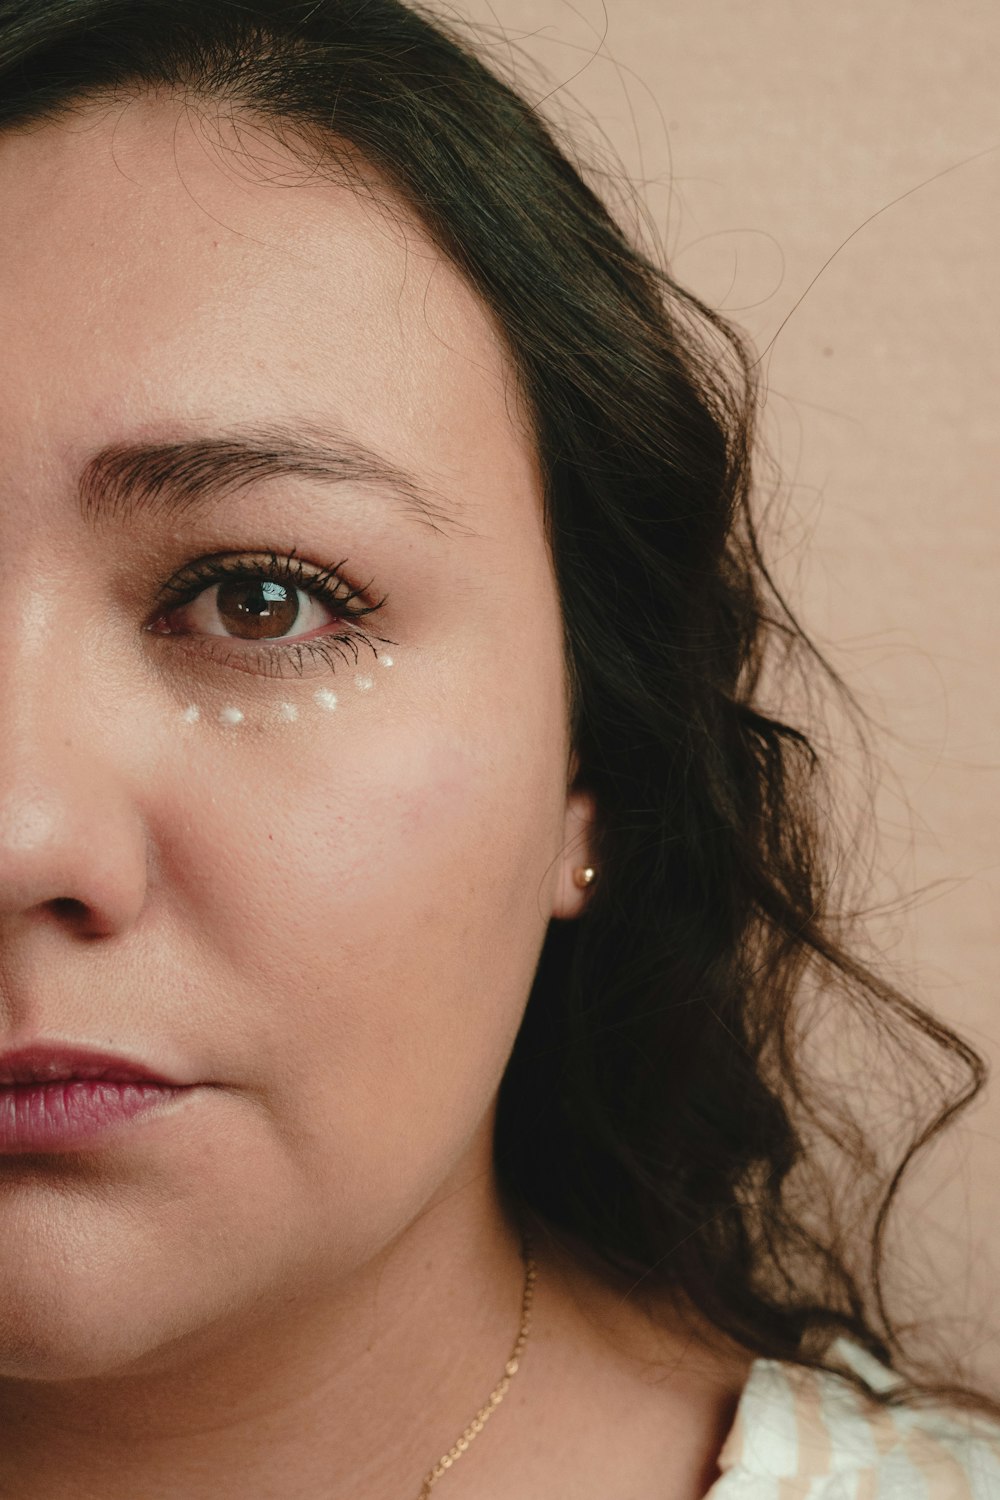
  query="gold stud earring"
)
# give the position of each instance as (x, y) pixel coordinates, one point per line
(584, 875)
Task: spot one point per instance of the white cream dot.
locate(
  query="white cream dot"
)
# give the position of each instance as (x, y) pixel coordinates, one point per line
(364, 683)
(289, 711)
(231, 716)
(386, 661)
(191, 714)
(325, 698)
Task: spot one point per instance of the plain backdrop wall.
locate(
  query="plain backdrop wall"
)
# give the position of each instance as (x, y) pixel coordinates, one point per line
(768, 137)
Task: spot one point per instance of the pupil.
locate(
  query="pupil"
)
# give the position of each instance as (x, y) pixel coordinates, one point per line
(257, 608)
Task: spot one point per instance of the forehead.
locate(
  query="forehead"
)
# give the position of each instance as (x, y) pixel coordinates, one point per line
(161, 263)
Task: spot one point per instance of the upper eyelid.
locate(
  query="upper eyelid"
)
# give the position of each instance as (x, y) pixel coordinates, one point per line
(325, 581)
(206, 570)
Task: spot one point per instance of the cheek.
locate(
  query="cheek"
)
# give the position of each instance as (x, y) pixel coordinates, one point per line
(372, 931)
(378, 879)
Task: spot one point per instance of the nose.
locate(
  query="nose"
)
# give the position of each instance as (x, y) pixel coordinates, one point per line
(72, 845)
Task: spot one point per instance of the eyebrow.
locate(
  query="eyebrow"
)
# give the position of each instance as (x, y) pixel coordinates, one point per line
(188, 476)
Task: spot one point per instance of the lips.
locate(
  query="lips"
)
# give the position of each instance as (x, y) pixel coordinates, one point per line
(50, 1063)
(55, 1098)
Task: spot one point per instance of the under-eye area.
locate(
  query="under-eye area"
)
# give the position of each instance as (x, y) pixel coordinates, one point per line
(287, 713)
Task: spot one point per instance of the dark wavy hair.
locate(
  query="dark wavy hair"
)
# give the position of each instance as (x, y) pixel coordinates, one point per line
(656, 1116)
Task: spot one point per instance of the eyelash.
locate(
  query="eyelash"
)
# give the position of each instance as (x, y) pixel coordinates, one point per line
(326, 584)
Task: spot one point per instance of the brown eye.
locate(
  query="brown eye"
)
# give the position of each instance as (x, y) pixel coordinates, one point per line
(256, 608)
(247, 608)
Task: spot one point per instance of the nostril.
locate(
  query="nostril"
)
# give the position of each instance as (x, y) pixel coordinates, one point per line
(68, 906)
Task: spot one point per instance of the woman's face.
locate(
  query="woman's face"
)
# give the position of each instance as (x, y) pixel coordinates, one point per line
(312, 881)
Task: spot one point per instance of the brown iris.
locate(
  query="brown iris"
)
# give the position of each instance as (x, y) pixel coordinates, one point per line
(256, 608)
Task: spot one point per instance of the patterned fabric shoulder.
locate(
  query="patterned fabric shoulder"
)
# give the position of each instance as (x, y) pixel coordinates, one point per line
(807, 1435)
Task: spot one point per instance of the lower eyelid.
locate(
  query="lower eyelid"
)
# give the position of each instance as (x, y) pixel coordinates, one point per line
(333, 651)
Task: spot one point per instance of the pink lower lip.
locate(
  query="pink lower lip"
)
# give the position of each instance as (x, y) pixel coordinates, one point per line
(61, 1114)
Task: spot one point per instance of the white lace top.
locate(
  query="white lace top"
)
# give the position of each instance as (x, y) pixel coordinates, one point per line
(803, 1434)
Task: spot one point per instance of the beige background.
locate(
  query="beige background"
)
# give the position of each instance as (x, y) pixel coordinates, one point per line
(769, 137)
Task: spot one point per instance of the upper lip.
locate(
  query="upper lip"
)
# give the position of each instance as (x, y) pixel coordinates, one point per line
(49, 1062)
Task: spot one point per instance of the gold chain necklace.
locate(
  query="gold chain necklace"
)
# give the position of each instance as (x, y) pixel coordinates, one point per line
(483, 1415)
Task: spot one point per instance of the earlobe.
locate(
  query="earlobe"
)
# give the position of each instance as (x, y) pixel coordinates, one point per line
(577, 865)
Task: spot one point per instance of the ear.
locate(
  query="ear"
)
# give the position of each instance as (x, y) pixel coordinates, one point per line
(577, 847)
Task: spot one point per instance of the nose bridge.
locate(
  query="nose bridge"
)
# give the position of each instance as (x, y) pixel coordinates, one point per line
(71, 837)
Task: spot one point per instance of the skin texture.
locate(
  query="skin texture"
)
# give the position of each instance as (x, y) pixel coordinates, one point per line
(299, 1279)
